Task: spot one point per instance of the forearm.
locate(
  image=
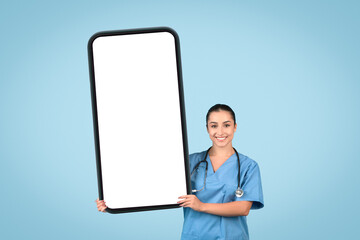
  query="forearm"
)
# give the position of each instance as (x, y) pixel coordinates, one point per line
(230, 209)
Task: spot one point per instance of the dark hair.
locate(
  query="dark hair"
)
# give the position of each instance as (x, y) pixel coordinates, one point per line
(218, 108)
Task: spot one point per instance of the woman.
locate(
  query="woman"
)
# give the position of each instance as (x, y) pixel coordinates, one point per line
(214, 211)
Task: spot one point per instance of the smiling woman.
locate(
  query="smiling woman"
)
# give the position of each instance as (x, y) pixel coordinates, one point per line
(224, 193)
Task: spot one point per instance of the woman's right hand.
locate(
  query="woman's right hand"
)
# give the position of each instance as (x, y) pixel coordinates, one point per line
(101, 206)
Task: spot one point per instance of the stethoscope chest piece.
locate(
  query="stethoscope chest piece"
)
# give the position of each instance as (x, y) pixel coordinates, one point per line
(239, 192)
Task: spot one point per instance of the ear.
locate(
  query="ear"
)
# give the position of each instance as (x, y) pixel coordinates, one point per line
(235, 127)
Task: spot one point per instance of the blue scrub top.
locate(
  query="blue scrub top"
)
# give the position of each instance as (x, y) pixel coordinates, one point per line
(220, 188)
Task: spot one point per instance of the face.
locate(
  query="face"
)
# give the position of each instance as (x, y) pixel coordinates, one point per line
(221, 128)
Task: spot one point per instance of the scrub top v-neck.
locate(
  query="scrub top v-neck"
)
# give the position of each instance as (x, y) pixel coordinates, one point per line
(208, 159)
(220, 187)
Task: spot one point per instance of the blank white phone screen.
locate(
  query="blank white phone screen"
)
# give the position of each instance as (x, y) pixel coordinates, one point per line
(139, 119)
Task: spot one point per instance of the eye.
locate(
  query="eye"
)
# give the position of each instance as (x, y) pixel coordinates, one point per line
(227, 125)
(213, 126)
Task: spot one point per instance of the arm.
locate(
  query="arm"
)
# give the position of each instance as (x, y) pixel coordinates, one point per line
(230, 209)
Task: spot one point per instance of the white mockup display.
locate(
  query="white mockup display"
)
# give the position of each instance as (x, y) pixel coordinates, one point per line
(139, 119)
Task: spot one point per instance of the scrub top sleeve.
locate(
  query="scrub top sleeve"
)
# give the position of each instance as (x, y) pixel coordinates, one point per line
(252, 187)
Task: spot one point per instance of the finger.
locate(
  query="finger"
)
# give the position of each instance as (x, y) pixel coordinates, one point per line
(101, 206)
(185, 205)
(185, 196)
(190, 196)
(188, 201)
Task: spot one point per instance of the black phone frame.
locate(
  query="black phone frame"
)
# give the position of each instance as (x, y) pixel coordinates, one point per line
(95, 113)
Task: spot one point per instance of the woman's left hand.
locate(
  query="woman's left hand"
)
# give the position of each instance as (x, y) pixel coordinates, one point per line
(191, 201)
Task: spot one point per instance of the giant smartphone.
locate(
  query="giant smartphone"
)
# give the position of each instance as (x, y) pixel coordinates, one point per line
(139, 119)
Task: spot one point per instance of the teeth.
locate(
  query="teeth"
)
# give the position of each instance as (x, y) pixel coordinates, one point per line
(220, 138)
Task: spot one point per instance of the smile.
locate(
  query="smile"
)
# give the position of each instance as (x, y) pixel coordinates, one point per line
(220, 138)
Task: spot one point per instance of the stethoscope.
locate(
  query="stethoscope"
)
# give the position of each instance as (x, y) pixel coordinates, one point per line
(238, 193)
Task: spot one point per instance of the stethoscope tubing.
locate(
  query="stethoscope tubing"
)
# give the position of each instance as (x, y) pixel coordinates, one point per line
(239, 192)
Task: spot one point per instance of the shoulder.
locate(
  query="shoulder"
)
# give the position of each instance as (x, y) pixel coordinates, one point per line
(247, 162)
(194, 158)
(197, 155)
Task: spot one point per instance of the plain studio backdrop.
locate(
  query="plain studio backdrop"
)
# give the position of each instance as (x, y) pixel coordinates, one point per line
(289, 69)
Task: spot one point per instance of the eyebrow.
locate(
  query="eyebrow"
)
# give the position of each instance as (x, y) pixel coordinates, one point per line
(223, 122)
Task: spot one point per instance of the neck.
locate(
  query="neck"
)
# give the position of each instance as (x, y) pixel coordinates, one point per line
(221, 151)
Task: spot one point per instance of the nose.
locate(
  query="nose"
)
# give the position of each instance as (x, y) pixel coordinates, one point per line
(220, 131)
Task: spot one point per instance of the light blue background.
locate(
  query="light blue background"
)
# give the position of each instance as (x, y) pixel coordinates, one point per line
(289, 69)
